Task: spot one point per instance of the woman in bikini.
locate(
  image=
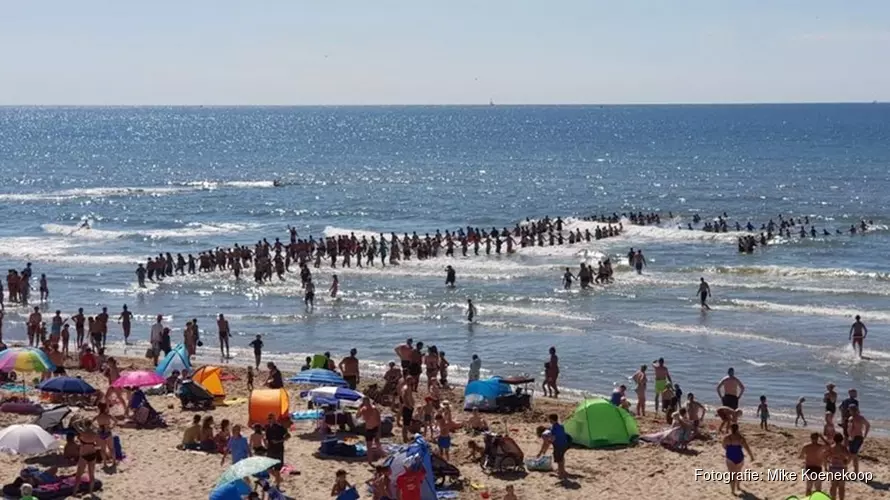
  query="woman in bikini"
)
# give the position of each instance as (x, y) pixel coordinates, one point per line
(105, 422)
(837, 459)
(89, 455)
(736, 446)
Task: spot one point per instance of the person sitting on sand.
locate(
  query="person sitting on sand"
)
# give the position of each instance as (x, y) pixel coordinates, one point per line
(191, 437)
(258, 440)
(171, 384)
(476, 424)
(340, 483)
(274, 379)
(208, 444)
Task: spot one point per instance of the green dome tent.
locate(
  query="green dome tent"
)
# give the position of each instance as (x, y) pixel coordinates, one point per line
(815, 496)
(597, 423)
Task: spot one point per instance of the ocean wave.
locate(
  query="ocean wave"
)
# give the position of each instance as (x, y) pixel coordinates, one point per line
(700, 330)
(805, 310)
(192, 230)
(22, 248)
(116, 192)
(655, 233)
(790, 271)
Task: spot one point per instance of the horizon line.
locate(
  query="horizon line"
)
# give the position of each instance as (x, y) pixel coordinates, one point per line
(418, 105)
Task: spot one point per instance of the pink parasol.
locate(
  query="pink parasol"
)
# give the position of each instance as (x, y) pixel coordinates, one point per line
(139, 378)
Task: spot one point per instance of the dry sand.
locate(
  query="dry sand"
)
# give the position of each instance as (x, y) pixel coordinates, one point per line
(154, 469)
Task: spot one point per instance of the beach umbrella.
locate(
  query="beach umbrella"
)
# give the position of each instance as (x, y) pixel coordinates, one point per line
(66, 385)
(25, 359)
(26, 439)
(319, 376)
(244, 468)
(140, 378)
(334, 395)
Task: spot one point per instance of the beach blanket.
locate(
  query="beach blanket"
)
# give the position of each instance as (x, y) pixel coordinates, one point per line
(306, 415)
(11, 387)
(233, 402)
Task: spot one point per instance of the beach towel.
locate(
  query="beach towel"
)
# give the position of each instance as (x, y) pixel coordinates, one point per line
(306, 415)
(670, 437)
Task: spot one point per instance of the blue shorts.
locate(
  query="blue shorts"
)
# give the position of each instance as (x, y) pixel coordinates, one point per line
(855, 444)
(444, 442)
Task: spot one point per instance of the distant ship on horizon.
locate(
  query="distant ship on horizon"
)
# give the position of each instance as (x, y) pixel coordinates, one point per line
(491, 102)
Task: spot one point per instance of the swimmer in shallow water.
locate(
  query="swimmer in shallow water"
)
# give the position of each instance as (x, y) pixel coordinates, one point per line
(704, 291)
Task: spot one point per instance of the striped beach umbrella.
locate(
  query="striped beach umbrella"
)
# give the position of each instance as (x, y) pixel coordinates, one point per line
(25, 359)
(318, 376)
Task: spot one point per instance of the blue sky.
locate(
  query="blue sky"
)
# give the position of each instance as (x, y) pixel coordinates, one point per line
(445, 52)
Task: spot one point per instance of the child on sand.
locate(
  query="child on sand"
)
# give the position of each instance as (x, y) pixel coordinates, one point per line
(340, 483)
(27, 491)
(426, 415)
(258, 441)
(380, 483)
(509, 494)
(728, 416)
(249, 378)
(763, 413)
(444, 439)
(799, 410)
(828, 430)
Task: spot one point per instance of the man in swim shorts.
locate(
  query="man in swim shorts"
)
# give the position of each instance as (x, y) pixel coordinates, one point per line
(704, 291)
(859, 428)
(662, 377)
(813, 455)
(858, 331)
(730, 390)
(406, 394)
(403, 351)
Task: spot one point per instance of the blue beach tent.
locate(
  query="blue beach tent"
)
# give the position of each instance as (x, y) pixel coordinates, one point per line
(483, 394)
(412, 457)
(177, 359)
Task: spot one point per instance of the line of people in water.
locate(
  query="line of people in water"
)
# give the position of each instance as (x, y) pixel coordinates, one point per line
(787, 228)
(270, 259)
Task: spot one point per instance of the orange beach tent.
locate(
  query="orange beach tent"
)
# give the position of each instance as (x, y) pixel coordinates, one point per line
(265, 401)
(209, 378)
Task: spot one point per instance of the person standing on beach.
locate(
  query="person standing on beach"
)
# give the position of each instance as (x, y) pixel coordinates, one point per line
(102, 323)
(34, 321)
(257, 345)
(736, 446)
(858, 331)
(406, 396)
(403, 351)
(224, 334)
(276, 435)
(126, 319)
(858, 429)
(475, 367)
(704, 292)
(730, 390)
(553, 372)
(813, 455)
(349, 369)
(79, 320)
(641, 380)
(662, 377)
(157, 333)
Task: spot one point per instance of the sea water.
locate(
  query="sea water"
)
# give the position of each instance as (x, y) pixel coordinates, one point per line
(153, 180)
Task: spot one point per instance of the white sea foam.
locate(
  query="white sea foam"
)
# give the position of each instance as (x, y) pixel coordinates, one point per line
(805, 310)
(54, 250)
(192, 230)
(116, 192)
(700, 330)
(792, 272)
(654, 233)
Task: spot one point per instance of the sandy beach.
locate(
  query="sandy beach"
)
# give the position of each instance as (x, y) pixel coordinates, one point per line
(154, 466)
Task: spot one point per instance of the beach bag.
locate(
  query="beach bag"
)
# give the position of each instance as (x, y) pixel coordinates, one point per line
(544, 463)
